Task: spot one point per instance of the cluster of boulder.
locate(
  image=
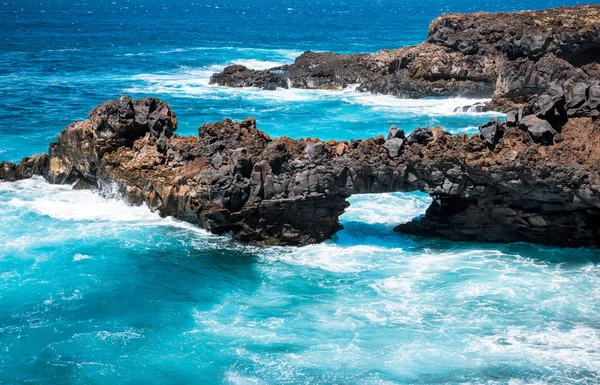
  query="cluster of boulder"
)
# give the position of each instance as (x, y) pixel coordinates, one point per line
(534, 176)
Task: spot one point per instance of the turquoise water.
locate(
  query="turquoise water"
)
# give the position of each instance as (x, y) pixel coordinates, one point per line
(93, 291)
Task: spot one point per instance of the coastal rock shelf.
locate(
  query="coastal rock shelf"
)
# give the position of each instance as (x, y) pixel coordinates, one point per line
(507, 56)
(533, 177)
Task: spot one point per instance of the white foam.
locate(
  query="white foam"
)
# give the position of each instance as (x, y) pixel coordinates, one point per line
(194, 83)
(75, 295)
(80, 257)
(63, 50)
(185, 81)
(287, 54)
(389, 209)
(236, 378)
(548, 346)
(423, 106)
(425, 267)
(63, 203)
(473, 290)
(257, 64)
(330, 257)
(119, 337)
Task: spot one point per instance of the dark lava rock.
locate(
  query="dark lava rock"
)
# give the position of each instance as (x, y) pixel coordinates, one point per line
(292, 192)
(583, 99)
(7, 171)
(541, 185)
(394, 146)
(540, 130)
(512, 118)
(162, 143)
(216, 160)
(395, 133)
(420, 136)
(477, 107)
(510, 56)
(492, 131)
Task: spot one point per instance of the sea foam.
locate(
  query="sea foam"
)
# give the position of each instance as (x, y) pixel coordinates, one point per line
(194, 83)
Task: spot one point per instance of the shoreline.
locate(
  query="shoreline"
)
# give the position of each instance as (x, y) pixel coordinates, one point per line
(533, 177)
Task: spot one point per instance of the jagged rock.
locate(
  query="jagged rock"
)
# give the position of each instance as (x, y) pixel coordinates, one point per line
(540, 130)
(583, 99)
(27, 167)
(539, 184)
(341, 148)
(395, 133)
(576, 96)
(7, 171)
(77, 153)
(492, 131)
(240, 76)
(154, 116)
(477, 107)
(394, 146)
(217, 160)
(512, 118)
(316, 150)
(162, 143)
(233, 178)
(420, 136)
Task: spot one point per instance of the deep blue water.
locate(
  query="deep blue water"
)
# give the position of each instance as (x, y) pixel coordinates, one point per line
(95, 292)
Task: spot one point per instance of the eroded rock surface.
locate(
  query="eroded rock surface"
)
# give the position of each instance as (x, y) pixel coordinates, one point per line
(76, 156)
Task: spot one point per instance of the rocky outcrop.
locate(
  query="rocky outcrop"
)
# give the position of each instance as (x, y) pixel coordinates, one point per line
(28, 167)
(514, 182)
(532, 177)
(520, 190)
(509, 56)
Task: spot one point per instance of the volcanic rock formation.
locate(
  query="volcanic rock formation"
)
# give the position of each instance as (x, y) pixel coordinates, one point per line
(509, 56)
(533, 177)
(510, 183)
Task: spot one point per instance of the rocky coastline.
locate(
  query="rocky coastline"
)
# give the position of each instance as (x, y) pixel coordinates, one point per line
(532, 177)
(508, 57)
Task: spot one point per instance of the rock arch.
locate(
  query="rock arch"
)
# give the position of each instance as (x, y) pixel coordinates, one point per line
(505, 185)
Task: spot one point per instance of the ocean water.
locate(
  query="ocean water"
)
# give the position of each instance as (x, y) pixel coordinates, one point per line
(93, 291)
